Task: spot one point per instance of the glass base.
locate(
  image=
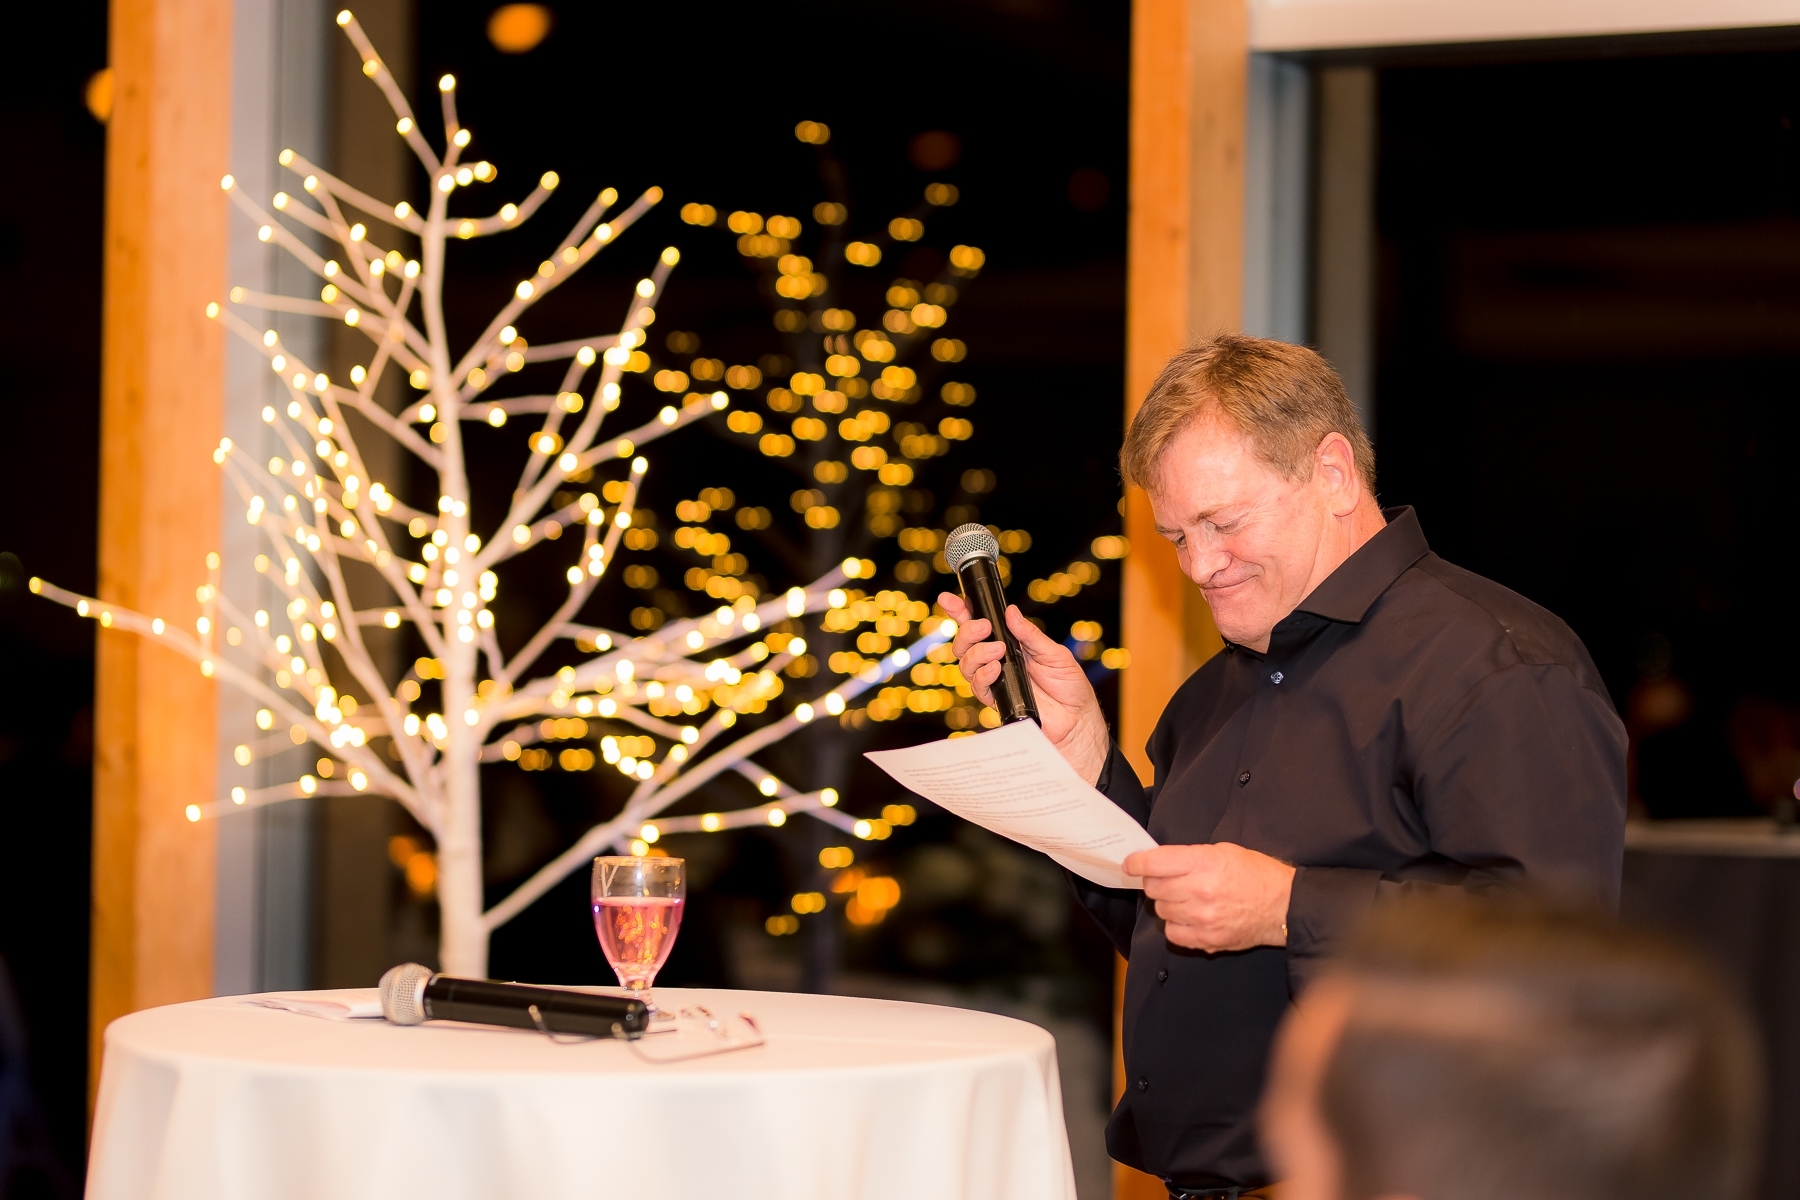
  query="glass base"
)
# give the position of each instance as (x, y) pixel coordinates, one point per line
(642, 992)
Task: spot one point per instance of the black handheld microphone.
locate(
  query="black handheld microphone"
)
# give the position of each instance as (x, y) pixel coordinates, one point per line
(974, 555)
(411, 993)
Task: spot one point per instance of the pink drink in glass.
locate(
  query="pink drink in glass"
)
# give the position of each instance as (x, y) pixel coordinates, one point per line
(636, 934)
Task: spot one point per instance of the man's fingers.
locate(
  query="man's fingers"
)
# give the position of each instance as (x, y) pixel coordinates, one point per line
(1183, 916)
(1032, 640)
(970, 635)
(1159, 887)
(954, 606)
(1164, 861)
(980, 655)
(981, 669)
(980, 665)
(1191, 937)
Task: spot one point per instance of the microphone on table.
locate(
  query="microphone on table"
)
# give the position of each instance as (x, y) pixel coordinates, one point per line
(974, 555)
(412, 993)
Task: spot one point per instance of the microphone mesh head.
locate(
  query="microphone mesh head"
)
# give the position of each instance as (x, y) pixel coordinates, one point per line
(970, 541)
(403, 993)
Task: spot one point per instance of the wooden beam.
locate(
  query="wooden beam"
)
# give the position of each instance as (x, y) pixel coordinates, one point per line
(161, 383)
(1184, 281)
(1289, 25)
(1189, 74)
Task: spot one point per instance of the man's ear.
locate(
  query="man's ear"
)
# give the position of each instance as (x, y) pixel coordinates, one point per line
(1334, 464)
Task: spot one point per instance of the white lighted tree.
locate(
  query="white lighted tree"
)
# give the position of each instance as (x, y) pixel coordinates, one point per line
(327, 521)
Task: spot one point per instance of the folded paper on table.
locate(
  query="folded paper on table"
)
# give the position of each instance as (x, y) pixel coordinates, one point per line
(1013, 782)
(700, 1034)
(341, 1004)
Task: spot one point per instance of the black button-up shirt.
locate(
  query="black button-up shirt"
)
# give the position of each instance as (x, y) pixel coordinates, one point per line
(1411, 724)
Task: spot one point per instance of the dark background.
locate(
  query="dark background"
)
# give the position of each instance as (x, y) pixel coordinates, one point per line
(1589, 324)
(50, 331)
(1044, 322)
(1587, 329)
(704, 105)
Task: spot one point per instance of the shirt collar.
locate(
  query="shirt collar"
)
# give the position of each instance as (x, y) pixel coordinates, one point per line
(1347, 593)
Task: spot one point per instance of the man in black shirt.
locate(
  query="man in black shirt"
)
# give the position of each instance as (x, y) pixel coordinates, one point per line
(1379, 722)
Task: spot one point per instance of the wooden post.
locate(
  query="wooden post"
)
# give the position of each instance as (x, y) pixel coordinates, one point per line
(162, 379)
(1189, 74)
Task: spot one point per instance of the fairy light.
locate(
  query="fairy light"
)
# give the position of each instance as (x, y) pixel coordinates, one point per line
(313, 506)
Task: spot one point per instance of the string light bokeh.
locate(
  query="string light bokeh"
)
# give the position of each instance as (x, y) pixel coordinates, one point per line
(324, 515)
(856, 407)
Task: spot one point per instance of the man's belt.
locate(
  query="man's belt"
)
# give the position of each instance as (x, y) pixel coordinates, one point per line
(1177, 1192)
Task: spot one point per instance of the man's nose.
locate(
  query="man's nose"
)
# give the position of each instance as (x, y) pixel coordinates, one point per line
(1200, 562)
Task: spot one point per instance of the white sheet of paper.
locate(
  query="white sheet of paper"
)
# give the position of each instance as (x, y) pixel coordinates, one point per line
(1012, 781)
(342, 1004)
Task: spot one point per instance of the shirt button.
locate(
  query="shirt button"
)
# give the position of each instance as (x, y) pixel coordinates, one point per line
(1162, 976)
(1243, 779)
(1143, 1084)
(1277, 677)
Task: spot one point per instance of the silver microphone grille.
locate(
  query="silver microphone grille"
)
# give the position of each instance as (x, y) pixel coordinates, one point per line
(970, 541)
(403, 993)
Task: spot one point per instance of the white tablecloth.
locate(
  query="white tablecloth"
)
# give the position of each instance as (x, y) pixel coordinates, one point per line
(851, 1098)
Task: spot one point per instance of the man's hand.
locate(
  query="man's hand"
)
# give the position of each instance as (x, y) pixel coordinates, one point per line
(1068, 711)
(1216, 897)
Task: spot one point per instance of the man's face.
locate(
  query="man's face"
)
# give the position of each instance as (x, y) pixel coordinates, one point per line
(1253, 541)
(1295, 1138)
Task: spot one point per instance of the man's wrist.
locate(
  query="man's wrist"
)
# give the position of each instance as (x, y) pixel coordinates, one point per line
(1088, 746)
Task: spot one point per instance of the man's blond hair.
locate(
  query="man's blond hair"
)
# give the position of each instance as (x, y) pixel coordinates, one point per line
(1284, 398)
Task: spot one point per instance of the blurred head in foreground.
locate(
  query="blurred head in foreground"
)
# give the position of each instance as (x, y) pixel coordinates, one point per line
(1468, 1052)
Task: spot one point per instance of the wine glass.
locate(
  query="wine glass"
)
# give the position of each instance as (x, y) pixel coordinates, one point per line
(637, 913)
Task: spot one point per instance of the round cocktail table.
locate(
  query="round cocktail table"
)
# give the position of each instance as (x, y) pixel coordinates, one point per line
(851, 1098)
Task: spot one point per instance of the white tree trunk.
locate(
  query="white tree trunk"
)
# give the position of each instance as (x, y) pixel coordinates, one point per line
(462, 938)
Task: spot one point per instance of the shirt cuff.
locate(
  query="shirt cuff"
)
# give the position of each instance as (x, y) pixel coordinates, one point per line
(1119, 783)
(1324, 908)
(1107, 770)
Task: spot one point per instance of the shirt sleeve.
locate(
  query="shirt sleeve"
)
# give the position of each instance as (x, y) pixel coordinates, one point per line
(1521, 785)
(1115, 909)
